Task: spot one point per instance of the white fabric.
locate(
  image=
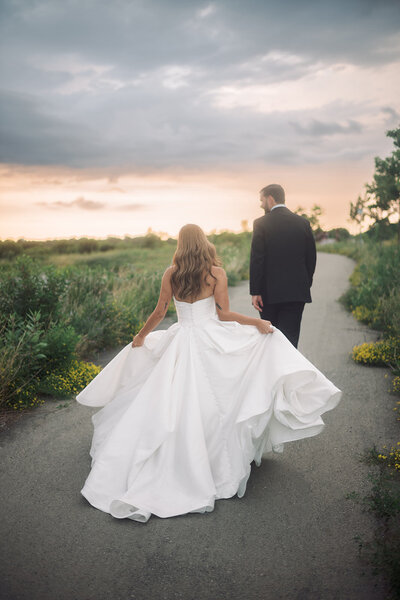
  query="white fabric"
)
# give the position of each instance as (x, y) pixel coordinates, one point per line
(185, 414)
(277, 205)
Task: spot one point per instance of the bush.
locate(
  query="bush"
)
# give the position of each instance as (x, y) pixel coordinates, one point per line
(86, 245)
(382, 353)
(22, 357)
(104, 307)
(24, 396)
(151, 241)
(339, 234)
(389, 308)
(9, 249)
(70, 380)
(144, 293)
(396, 385)
(391, 459)
(28, 287)
(374, 295)
(365, 315)
(374, 299)
(61, 341)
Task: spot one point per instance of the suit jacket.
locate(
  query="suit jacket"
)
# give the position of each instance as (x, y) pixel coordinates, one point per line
(283, 257)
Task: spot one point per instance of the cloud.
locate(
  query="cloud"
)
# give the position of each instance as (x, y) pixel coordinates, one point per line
(132, 207)
(36, 131)
(80, 202)
(91, 205)
(393, 115)
(176, 77)
(113, 189)
(155, 86)
(207, 11)
(318, 128)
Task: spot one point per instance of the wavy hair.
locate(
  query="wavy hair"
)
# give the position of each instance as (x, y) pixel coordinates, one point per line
(193, 259)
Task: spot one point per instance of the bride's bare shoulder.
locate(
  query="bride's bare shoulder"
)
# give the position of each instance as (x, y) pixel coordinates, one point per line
(218, 272)
(168, 271)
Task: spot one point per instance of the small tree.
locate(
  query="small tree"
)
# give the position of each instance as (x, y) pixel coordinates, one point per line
(338, 233)
(313, 216)
(359, 210)
(382, 198)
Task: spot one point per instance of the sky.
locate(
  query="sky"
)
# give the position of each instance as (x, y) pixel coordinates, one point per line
(117, 117)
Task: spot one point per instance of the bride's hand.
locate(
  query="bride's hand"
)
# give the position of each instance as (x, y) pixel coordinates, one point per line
(137, 341)
(264, 326)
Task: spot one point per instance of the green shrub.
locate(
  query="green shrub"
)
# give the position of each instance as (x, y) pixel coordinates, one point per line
(69, 380)
(395, 389)
(384, 352)
(145, 291)
(22, 356)
(9, 249)
(61, 341)
(86, 245)
(374, 299)
(23, 396)
(374, 294)
(389, 307)
(106, 308)
(28, 287)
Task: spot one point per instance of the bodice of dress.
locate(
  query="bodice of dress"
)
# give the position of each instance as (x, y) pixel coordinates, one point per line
(194, 313)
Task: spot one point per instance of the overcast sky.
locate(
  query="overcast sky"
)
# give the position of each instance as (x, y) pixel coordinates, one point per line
(129, 94)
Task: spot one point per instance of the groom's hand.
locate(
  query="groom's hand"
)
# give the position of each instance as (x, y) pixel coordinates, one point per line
(257, 303)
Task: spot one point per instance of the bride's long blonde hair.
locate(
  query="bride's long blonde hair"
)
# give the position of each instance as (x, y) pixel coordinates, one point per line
(193, 259)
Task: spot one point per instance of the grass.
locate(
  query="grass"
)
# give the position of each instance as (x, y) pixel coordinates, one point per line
(140, 259)
(63, 300)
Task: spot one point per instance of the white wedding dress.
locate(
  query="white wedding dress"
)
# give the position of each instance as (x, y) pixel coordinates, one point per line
(185, 414)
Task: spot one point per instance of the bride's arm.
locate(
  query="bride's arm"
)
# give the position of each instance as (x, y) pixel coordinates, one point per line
(222, 303)
(159, 312)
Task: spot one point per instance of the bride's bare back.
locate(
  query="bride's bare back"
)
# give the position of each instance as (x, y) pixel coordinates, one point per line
(206, 291)
(217, 287)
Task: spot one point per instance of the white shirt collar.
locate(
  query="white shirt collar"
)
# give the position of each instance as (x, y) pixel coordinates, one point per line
(276, 206)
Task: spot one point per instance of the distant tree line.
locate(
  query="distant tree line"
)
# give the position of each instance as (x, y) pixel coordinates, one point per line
(11, 249)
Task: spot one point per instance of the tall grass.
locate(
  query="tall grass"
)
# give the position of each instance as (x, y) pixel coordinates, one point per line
(57, 308)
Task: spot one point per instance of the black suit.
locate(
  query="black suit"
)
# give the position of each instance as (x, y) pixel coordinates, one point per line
(282, 266)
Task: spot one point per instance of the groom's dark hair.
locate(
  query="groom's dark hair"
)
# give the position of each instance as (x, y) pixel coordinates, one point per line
(276, 191)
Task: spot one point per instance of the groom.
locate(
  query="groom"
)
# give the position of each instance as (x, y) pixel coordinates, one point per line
(282, 263)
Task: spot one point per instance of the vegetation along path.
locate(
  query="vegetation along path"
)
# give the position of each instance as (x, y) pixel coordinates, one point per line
(290, 537)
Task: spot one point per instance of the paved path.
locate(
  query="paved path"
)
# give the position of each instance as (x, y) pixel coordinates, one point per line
(290, 537)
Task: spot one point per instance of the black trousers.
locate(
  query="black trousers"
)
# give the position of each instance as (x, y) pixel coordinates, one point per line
(286, 316)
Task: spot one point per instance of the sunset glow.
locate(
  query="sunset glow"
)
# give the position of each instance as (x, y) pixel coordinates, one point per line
(52, 204)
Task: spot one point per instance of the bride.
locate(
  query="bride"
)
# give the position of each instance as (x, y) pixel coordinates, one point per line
(186, 410)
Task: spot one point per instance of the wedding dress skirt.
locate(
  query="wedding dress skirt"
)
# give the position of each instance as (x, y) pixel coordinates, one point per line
(185, 414)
